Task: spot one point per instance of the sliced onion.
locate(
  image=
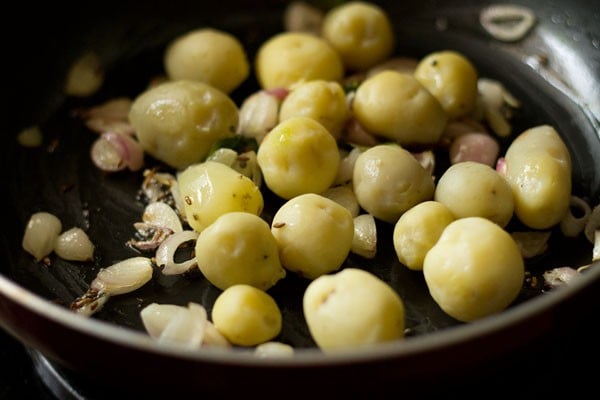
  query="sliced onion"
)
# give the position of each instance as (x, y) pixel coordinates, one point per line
(115, 151)
(40, 234)
(572, 226)
(355, 133)
(186, 327)
(259, 113)
(346, 168)
(507, 22)
(161, 214)
(156, 317)
(345, 196)
(593, 224)
(559, 276)
(74, 245)
(273, 349)
(124, 276)
(214, 338)
(364, 242)
(532, 243)
(427, 160)
(111, 116)
(478, 147)
(89, 303)
(85, 75)
(165, 255)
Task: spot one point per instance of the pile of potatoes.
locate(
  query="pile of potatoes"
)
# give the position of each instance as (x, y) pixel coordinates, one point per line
(451, 227)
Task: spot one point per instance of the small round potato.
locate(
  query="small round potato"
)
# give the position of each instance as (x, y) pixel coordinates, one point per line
(417, 230)
(321, 100)
(211, 189)
(473, 189)
(207, 55)
(388, 180)
(298, 156)
(246, 316)
(314, 234)
(289, 58)
(352, 308)
(396, 106)
(452, 79)
(360, 32)
(239, 248)
(178, 122)
(538, 168)
(474, 270)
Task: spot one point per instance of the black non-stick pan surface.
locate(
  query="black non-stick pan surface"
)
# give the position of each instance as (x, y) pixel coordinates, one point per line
(554, 71)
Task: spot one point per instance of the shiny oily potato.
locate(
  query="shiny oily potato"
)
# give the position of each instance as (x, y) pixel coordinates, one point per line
(178, 122)
(417, 230)
(207, 55)
(246, 316)
(289, 58)
(239, 248)
(298, 156)
(539, 169)
(314, 235)
(211, 189)
(474, 270)
(396, 106)
(473, 189)
(324, 101)
(360, 32)
(351, 309)
(388, 181)
(451, 78)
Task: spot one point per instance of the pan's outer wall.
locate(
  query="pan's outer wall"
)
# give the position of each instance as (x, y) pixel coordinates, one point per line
(36, 69)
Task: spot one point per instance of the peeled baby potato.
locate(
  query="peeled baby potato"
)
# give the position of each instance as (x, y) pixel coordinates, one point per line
(207, 55)
(178, 122)
(246, 316)
(473, 189)
(211, 189)
(239, 248)
(539, 169)
(298, 156)
(451, 78)
(289, 58)
(314, 235)
(474, 270)
(360, 32)
(388, 181)
(351, 309)
(324, 101)
(396, 106)
(417, 230)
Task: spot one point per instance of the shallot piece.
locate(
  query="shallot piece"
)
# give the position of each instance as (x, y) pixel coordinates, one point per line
(113, 152)
(478, 147)
(300, 16)
(165, 255)
(501, 166)
(593, 225)
(496, 103)
(162, 215)
(571, 225)
(273, 349)
(346, 167)
(74, 245)
(427, 160)
(41, 232)
(560, 276)
(89, 303)
(532, 243)
(507, 22)
(364, 242)
(345, 196)
(111, 116)
(245, 163)
(85, 76)
(355, 133)
(124, 276)
(151, 236)
(259, 113)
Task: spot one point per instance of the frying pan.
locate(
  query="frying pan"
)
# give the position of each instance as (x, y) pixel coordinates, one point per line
(554, 70)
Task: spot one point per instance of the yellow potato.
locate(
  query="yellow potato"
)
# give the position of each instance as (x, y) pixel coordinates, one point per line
(360, 32)
(473, 189)
(314, 235)
(289, 58)
(246, 316)
(388, 180)
(474, 270)
(324, 101)
(298, 156)
(178, 122)
(451, 78)
(352, 308)
(239, 248)
(207, 55)
(211, 189)
(539, 169)
(417, 230)
(396, 106)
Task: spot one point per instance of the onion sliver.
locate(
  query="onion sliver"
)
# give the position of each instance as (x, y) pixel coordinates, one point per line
(40, 234)
(165, 255)
(161, 214)
(74, 245)
(572, 226)
(124, 276)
